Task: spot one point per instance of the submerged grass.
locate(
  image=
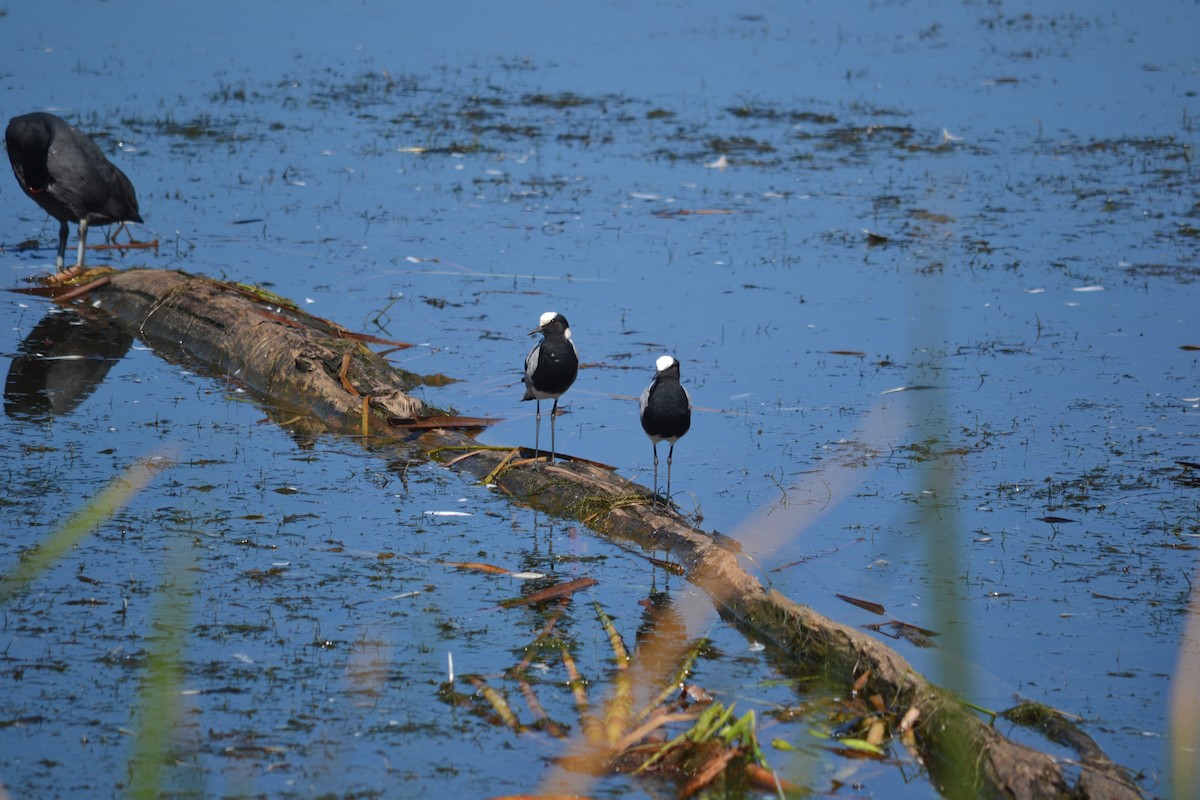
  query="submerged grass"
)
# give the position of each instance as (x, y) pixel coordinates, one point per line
(646, 700)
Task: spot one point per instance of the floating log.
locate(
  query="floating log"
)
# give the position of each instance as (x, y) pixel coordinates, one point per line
(321, 372)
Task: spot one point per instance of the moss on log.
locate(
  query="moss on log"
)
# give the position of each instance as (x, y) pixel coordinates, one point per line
(313, 368)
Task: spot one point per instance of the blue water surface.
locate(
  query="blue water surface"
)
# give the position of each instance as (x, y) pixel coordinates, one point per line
(989, 205)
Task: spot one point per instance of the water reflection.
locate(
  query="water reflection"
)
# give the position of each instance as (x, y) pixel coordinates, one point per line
(61, 363)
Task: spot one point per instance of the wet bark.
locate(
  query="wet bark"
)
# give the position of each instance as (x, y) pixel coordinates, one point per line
(323, 376)
(277, 351)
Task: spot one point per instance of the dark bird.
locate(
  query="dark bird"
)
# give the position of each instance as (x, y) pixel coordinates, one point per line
(65, 173)
(550, 369)
(666, 412)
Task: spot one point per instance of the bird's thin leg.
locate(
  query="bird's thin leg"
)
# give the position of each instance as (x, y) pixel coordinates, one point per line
(654, 494)
(670, 453)
(83, 226)
(553, 414)
(65, 273)
(537, 432)
(63, 233)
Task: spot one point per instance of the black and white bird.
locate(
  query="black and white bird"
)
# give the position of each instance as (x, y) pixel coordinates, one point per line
(666, 412)
(64, 172)
(550, 369)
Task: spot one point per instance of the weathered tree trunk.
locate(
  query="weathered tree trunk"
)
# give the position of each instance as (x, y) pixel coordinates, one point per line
(313, 368)
(290, 357)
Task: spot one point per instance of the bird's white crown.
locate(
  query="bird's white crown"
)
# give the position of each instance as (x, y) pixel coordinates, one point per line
(663, 362)
(549, 315)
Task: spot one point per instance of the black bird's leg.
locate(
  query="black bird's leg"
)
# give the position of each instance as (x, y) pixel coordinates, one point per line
(670, 453)
(654, 492)
(63, 233)
(537, 431)
(83, 228)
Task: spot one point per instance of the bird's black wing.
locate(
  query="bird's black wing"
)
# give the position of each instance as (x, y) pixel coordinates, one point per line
(85, 181)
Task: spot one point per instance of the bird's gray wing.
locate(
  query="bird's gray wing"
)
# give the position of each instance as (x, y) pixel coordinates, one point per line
(644, 400)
